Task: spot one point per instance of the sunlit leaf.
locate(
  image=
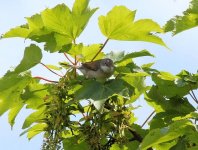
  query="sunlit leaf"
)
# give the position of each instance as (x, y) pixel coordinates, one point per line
(34, 117)
(73, 143)
(14, 112)
(167, 86)
(185, 22)
(36, 129)
(88, 52)
(62, 20)
(11, 87)
(115, 56)
(136, 54)
(165, 134)
(35, 94)
(21, 31)
(94, 90)
(119, 24)
(32, 56)
(178, 105)
(53, 67)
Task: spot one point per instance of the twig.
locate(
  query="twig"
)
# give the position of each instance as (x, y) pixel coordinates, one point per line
(51, 70)
(75, 63)
(41, 78)
(100, 49)
(194, 98)
(110, 142)
(69, 59)
(148, 118)
(136, 136)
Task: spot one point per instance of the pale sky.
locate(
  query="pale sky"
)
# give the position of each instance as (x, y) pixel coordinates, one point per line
(183, 55)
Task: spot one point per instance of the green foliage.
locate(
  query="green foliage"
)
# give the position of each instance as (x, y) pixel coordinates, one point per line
(187, 21)
(119, 24)
(77, 113)
(33, 52)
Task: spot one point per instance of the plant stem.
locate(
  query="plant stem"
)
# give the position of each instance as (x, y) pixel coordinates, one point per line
(136, 136)
(75, 61)
(41, 78)
(148, 118)
(69, 59)
(193, 97)
(50, 70)
(100, 49)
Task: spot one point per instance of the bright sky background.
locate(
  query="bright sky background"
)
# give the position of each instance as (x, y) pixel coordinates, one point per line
(184, 54)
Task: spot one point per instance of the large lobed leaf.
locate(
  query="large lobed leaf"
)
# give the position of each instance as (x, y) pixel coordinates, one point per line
(95, 90)
(119, 24)
(11, 87)
(187, 21)
(32, 56)
(56, 27)
(175, 130)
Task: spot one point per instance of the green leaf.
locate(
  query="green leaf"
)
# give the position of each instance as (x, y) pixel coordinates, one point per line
(32, 56)
(53, 67)
(88, 52)
(179, 146)
(185, 22)
(36, 129)
(119, 24)
(95, 90)
(115, 56)
(14, 112)
(80, 6)
(62, 20)
(137, 81)
(119, 147)
(34, 117)
(35, 22)
(178, 105)
(73, 143)
(21, 31)
(166, 145)
(75, 50)
(167, 85)
(35, 94)
(11, 87)
(136, 54)
(157, 136)
(99, 104)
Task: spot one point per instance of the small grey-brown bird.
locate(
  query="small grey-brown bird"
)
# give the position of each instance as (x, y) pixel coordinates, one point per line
(99, 69)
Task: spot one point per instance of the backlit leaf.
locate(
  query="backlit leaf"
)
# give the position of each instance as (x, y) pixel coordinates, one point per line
(95, 90)
(73, 143)
(14, 112)
(136, 54)
(34, 118)
(185, 22)
(157, 136)
(119, 24)
(32, 56)
(36, 129)
(11, 87)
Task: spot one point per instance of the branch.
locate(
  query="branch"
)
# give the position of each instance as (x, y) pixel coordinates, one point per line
(110, 142)
(100, 49)
(51, 70)
(148, 118)
(69, 59)
(193, 97)
(136, 136)
(41, 78)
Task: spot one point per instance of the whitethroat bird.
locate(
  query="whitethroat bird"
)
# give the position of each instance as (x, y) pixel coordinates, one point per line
(99, 69)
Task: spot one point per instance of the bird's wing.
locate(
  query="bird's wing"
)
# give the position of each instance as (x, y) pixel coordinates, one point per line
(92, 65)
